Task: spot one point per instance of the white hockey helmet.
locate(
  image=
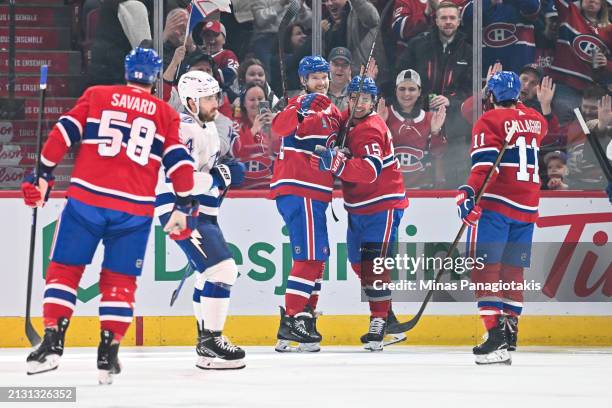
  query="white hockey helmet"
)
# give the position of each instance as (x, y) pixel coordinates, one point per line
(195, 85)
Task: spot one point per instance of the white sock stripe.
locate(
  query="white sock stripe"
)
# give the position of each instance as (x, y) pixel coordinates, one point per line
(60, 302)
(107, 303)
(301, 280)
(489, 312)
(298, 293)
(61, 287)
(512, 302)
(113, 318)
(315, 293)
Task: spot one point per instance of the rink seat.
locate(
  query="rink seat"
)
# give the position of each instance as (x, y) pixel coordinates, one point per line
(46, 38)
(253, 229)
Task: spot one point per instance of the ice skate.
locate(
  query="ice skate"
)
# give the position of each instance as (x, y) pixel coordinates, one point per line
(108, 360)
(494, 350)
(216, 352)
(297, 329)
(511, 332)
(393, 334)
(376, 334)
(47, 356)
(311, 326)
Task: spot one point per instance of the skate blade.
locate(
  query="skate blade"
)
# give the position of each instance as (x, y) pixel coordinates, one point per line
(309, 347)
(213, 363)
(394, 338)
(287, 346)
(496, 357)
(51, 363)
(374, 346)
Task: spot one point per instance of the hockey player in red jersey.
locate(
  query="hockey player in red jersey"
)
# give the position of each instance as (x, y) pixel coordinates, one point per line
(125, 134)
(374, 196)
(302, 197)
(501, 227)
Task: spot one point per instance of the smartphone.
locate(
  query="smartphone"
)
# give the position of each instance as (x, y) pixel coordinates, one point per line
(264, 107)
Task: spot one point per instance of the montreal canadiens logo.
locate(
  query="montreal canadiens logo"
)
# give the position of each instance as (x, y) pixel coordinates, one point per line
(258, 168)
(586, 45)
(409, 158)
(499, 35)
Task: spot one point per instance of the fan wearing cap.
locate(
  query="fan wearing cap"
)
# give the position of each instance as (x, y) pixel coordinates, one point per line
(340, 75)
(211, 40)
(417, 135)
(556, 170)
(500, 227)
(374, 197)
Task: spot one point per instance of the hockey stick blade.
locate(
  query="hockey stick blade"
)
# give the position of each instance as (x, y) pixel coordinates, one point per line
(404, 327)
(177, 291)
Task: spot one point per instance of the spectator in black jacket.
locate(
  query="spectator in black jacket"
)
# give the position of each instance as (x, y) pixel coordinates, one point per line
(443, 59)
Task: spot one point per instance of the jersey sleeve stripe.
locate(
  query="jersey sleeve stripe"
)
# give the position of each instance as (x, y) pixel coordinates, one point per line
(46, 161)
(484, 157)
(64, 133)
(484, 149)
(173, 147)
(376, 163)
(179, 164)
(172, 157)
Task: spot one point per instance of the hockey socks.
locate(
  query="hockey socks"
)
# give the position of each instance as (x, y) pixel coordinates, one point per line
(314, 295)
(490, 303)
(60, 295)
(378, 299)
(300, 285)
(212, 294)
(117, 302)
(512, 299)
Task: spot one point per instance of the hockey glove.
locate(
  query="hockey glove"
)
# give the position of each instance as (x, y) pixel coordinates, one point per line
(229, 174)
(311, 103)
(183, 220)
(37, 193)
(468, 212)
(330, 160)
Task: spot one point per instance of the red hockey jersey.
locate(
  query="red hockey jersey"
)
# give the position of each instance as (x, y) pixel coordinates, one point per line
(371, 178)
(292, 172)
(415, 146)
(576, 44)
(514, 188)
(257, 153)
(125, 134)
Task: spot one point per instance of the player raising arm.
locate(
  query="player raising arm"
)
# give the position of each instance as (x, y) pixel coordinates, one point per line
(125, 134)
(302, 196)
(501, 227)
(374, 196)
(205, 247)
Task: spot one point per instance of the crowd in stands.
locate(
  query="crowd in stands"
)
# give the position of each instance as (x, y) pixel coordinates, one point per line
(423, 64)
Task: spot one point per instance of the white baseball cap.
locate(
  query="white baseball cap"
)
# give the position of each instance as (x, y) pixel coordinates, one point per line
(408, 75)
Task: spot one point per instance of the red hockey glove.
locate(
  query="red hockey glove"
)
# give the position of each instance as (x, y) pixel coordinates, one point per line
(37, 194)
(314, 102)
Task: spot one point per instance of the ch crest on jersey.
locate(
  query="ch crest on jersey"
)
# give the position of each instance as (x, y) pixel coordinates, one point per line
(585, 47)
(258, 168)
(498, 35)
(409, 158)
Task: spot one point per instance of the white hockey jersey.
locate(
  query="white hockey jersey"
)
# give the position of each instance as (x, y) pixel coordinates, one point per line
(203, 144)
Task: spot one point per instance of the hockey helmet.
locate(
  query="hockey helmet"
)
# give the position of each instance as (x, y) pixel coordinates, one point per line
(142, 65)
(505, 86)
(368, 87)
(311, 64)
(195, 85)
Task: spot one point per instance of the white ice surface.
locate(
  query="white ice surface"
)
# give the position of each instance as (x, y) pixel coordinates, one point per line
(336, 377)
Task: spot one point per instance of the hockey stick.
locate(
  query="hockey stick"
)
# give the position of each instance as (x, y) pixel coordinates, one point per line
(31, 333)
(404, 327)
(597, 148)
(290, 13)
(189, 269)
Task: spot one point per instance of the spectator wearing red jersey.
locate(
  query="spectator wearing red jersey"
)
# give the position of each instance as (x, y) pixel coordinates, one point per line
(255, 147)
(212, 40)
(417, 135)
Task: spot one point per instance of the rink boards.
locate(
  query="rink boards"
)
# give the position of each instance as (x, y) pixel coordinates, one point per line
(252, 226)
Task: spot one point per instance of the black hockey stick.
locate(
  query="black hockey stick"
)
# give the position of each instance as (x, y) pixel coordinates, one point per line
(604, 163)
(31, 333)
(290, 13)
(404, 327)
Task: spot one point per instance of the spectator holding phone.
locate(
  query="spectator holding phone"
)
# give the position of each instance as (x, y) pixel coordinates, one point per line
(255, 147)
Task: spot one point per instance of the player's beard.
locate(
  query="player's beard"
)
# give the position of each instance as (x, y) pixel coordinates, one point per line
(208, 116)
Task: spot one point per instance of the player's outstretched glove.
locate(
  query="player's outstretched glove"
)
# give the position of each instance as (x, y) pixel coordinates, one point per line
(328, 159)
(230, 173)
(314, 102)
(466, 209)
(184, 218)
(37, 194)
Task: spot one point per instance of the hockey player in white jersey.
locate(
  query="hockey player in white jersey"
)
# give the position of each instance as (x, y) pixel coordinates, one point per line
(205, 246)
